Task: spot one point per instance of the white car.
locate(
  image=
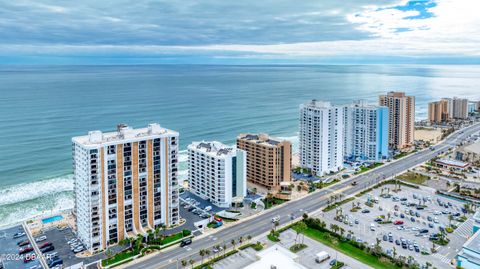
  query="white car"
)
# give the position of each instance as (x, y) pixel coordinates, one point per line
(41, 238)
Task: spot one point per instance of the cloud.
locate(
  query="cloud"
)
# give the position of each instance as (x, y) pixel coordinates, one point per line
(260, 30)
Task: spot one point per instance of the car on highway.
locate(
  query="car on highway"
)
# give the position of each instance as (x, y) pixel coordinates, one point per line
(186, 242)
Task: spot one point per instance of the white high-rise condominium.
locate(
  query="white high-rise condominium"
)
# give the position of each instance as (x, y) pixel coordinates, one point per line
(321, 137)
(217, 172)
(366, 131)
(125, 183)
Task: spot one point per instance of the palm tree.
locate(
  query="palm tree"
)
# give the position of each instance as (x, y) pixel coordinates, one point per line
(224, 249)
(276, 224)
(109, 253)
(151, 234)
(301, 227)
(184, 263)
(342, 231)
(394, 253)
(207, 253)
(240, 240)
(249, 237)
(233, 242)
(202, 253)
(192, 262)
(157, 231)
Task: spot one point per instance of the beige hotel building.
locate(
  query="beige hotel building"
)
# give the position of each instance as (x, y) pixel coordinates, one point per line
(125, 183)
(268, 159)
(401, 119)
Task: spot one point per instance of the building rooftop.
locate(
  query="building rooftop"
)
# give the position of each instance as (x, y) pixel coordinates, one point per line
(276, 257)
(317, 104)
(474, 148)
(395, 94)
(124, 133)
(213, 148)
(262, 139)
(363, 104)
(473, 243)
(452, 162)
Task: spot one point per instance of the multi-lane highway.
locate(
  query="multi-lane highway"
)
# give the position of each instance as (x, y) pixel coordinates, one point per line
(262, 223)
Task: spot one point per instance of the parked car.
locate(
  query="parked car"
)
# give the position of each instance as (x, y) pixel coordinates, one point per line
(55, 262)
(23, 243)
(47, 249)
(398, 222)
(41, 238)
(365, 211)
(46, 244)
(78, 250)
(18, 235)
(25, 250)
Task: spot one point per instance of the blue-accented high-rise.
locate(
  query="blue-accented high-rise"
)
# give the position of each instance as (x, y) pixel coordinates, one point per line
(365, 132)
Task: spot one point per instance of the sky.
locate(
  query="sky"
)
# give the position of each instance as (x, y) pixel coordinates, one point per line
(239, 32)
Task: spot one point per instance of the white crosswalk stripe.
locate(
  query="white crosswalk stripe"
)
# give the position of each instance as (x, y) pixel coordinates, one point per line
(441, 258)
(465, 229)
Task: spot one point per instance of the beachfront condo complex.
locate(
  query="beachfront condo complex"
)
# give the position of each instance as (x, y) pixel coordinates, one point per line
(366, 131)
(321, 137)
(401, 118)
(269, 160)
(217, 172)
(125, 183)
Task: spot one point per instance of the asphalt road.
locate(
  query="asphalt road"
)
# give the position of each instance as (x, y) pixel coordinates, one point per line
(262, 223)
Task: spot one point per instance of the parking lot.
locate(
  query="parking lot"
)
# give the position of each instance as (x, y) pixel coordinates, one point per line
(9, 250)
(60, 238)
(410, 227)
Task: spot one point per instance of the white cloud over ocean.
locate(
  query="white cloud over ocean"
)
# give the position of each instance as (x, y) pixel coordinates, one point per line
(203, 31)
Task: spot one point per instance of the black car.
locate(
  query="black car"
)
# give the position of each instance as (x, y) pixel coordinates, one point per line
(185, 242)
(397, 242)
(365, 211)
(47, 249)
(55, 262)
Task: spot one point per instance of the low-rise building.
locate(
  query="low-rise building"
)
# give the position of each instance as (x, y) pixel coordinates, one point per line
(470, 153)
(276, 257)
(268, 159)
(469, 256)
(451, 164)
(217, 172)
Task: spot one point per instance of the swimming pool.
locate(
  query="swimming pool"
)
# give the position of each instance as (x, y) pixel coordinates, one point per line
(52, 219)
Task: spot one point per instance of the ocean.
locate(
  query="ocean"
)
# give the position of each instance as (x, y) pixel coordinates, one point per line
(42, 107)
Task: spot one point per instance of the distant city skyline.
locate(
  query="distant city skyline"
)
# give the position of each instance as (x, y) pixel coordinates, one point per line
(247, 32)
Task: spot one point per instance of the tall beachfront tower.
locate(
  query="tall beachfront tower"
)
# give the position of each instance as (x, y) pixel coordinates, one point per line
(439, 111)
(125, 183)
(217, 172)
(321, 137)
(269, 160)
(401, 118)
(366, 131)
